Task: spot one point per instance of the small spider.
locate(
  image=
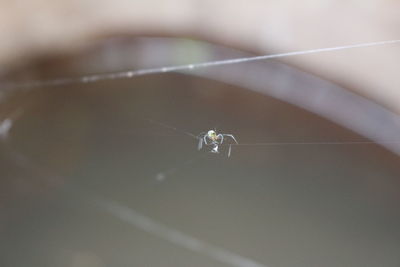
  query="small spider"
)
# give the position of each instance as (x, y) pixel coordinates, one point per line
(211, 138)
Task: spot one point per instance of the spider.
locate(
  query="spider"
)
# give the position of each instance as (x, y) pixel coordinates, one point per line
(211, 138)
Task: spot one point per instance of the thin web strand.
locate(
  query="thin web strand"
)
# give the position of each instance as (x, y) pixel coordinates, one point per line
(187, 67)
(318, 143)
(174, 236)
(172, 128)
(280, 143)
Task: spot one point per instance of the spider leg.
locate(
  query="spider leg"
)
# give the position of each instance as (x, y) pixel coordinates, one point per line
(200, 145)
(205, 139)
(231, 136)
(221, 136)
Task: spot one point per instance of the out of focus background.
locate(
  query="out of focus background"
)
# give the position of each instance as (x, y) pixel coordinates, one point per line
(108, 173)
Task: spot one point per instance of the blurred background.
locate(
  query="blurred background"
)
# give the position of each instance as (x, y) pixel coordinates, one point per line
(107, 174)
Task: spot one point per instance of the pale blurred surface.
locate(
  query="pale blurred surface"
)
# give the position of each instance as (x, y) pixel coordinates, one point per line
(30, 29)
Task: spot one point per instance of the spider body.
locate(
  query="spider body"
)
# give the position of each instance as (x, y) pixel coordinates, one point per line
(211, 138)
